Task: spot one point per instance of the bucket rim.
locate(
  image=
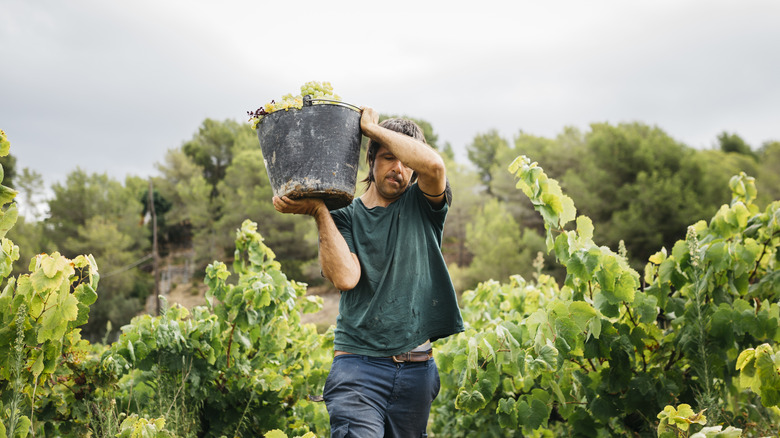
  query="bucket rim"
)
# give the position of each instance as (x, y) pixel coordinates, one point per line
(330, 102)
(337, 103)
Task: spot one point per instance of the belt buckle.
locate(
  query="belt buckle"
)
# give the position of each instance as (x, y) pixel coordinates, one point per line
(405, 357)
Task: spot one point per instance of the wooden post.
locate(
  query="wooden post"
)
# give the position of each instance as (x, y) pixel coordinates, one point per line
(155, 255)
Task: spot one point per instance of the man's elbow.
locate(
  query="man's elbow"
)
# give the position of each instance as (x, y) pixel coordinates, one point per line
(345, 283)
(346, 279)
(436, 169)
(438, 165)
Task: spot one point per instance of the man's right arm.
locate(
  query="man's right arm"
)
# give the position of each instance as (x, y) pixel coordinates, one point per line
(340, 266)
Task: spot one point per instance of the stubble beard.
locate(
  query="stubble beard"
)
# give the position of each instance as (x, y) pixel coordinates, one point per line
(388, 190)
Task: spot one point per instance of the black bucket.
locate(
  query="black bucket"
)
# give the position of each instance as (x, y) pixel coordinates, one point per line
(312, 152)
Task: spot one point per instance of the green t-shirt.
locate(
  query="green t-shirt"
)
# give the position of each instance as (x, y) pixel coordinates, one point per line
(405, 295)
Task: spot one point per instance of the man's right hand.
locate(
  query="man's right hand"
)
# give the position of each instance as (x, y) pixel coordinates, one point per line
(307, 206)
(369, 119)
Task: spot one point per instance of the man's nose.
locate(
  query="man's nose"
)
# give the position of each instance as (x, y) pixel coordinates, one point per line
(398, 167)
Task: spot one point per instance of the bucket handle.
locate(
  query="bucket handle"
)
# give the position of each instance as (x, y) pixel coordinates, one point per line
(307, 101)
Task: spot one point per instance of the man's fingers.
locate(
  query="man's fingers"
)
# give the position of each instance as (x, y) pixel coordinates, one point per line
(281, 204)
(299, 206)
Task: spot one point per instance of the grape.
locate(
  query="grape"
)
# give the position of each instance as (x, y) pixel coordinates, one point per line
(317, 90)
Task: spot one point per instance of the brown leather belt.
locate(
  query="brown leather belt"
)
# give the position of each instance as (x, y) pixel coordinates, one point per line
(411, 356)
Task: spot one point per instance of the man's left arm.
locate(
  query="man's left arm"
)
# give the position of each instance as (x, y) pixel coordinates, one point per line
(420, 157)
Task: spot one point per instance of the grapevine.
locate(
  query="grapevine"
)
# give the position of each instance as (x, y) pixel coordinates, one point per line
(317, 90)
(608, 350)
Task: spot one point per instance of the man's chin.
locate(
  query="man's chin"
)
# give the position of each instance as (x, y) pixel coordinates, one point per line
(393, 191)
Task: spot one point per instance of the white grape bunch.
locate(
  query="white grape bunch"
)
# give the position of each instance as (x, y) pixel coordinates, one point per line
(317, 90)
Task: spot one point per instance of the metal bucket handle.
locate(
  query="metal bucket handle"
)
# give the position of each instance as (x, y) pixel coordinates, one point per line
(307, 101)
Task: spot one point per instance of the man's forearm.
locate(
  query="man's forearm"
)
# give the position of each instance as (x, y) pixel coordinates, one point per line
(420, 157)
(338, 264)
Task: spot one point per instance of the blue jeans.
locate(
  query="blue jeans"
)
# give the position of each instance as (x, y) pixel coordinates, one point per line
(373, 397)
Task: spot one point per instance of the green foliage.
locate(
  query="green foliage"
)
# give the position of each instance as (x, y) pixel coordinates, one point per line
(45, 308)
(116, 250)
(224, 158)
(135, 427)
(600, 355)
(635, 174)
(212, 148)
(768, 173)
(29, 231)
(733, 143)
(245, 364)
(625, 175)
(681, 418)
(676, 422)
(5, 145)
(760, 371)
(276, 433)
(191, 218)
(466, 202)
(8, 170)
(242, 366)
(84, 196)
(492, 237)
(483, 151)
(545, 194)
(7, 194)
(95, 214)
(430, 136)
(247, 193)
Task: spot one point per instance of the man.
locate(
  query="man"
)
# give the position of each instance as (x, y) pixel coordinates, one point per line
(383, 252)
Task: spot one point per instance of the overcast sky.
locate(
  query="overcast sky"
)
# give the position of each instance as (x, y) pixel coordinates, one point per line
(111, 86)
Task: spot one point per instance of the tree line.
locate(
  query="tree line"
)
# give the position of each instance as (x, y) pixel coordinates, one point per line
(636, 183)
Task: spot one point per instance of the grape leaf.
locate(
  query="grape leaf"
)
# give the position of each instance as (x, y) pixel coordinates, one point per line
(584, 228)
(8, 219)
(507, 413)
(534, 415)
(85, 294)
(470, 401)
(37, 367)
(54, 321)
(745, 358)
(625, 286)
(7, 195)
(54, 263)
(581, 314)
(645, 307)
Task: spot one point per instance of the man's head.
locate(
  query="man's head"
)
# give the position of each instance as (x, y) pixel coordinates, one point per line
(403, 126)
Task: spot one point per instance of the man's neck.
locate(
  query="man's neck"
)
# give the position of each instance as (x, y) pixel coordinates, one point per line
(372, 198)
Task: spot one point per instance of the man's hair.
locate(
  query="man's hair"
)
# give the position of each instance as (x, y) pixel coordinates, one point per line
(404, 126)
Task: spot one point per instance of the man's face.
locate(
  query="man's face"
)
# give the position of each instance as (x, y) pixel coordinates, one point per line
(390, 175)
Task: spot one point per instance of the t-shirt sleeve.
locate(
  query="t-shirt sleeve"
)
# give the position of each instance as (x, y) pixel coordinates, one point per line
(437, 215)
(343, 220)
